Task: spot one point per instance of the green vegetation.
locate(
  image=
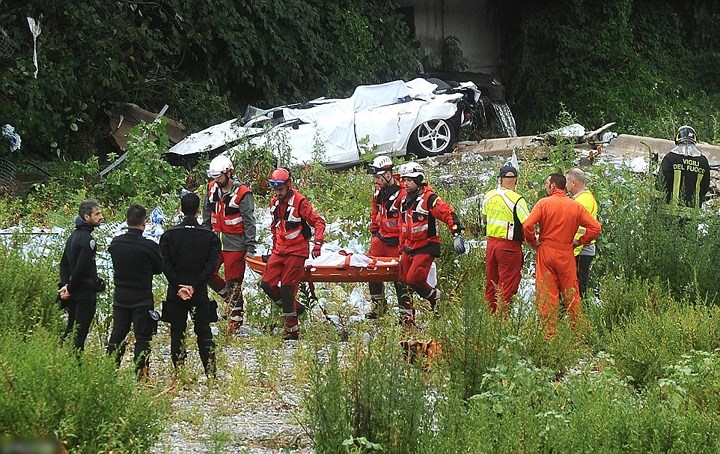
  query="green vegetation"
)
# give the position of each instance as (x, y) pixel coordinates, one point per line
(206, 60)
(647, 65)
(643, 377)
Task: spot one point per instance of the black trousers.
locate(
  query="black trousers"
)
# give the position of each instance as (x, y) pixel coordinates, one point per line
(81, 311)
(176, 312)
(583, 271)
(142, 325)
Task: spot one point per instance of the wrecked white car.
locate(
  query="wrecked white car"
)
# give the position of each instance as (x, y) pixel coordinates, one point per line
(421, 116)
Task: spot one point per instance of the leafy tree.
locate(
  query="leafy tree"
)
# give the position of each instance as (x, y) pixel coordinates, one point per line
(648, 65)
(205, 59)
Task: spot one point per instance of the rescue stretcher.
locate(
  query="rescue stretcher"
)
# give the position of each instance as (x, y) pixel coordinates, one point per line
(378, 269)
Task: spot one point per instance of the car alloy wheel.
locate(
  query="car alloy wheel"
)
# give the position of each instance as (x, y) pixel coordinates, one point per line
(432, 138)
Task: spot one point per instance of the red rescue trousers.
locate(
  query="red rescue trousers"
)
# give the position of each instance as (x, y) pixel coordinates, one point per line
(234, 269)
(380, 249)
(413, 270)
(503, 264)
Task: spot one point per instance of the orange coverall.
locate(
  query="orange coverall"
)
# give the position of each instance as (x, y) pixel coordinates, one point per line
(559, 217)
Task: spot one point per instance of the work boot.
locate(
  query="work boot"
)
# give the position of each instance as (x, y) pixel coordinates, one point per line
(235, 302)
(433, 300)
(378, 307)
(292, 329)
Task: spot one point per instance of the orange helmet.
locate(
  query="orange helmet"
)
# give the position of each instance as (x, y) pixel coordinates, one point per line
(279, 178)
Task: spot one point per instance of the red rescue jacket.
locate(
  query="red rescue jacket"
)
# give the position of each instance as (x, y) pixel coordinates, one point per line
(420, 212)
(293, 216)
(385, 211)
(225, 215)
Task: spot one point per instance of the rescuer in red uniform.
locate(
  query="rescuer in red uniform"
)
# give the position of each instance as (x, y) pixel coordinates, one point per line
(293, 219)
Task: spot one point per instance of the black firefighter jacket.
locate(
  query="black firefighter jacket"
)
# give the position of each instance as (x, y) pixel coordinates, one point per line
(191, 254)
(135, 260)
(77, 266)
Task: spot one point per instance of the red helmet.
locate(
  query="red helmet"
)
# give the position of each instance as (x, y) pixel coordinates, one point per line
(279, 178)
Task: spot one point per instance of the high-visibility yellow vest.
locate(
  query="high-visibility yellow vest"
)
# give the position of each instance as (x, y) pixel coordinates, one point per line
(586, 199)
(498, 207)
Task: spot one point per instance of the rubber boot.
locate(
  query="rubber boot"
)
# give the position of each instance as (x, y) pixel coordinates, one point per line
(292, 328)
(235, 302)
(378, 306)
(206, 348)
(406, 311)
(433, 300)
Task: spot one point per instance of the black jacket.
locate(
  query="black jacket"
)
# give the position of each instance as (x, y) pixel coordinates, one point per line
(77, 266)
(685, 179)
(135, 260)
(190, 252)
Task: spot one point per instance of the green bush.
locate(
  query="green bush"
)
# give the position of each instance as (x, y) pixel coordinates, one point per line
(645, 67)
(622, 299)
(377, 396)
(641, 241)
(653, 339)
(28, 288)
(47, 393)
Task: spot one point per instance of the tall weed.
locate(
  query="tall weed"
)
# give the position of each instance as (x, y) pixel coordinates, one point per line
(621, 298)
(651, 340)
(28, 288)
(376, 395)
(47, 393)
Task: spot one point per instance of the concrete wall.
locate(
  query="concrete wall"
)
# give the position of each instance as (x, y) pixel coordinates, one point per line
(471, 21)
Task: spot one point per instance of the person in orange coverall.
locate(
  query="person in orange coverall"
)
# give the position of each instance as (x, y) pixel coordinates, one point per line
(559, 217)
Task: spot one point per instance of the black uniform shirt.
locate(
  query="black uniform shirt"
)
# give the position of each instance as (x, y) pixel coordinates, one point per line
(77, 266)
(190, 252)
(135, 260)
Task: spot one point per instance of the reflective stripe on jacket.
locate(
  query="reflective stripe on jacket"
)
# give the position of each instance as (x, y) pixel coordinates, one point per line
(293, 217)
(420, 212)
(385, 211)
(226, 216)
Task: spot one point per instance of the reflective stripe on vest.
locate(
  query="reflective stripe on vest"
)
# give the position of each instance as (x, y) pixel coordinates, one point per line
(502, 225)
(587, 200)
(288, 217)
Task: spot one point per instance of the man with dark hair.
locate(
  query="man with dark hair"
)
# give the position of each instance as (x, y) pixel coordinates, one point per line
(190, 253)
(292, 225)
(135, 260)
(79, 281)
(229, 211)
(559, 218)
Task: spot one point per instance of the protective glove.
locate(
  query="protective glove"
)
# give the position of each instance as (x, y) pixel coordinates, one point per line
(459, 244)
(316, 250)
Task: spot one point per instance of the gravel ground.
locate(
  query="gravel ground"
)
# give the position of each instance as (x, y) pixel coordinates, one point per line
(251, 407)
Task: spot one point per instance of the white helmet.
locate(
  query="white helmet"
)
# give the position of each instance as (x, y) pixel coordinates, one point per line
(221, 164)
(411, 170)
(380, 165)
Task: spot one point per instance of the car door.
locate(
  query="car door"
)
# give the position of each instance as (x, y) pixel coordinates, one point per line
(385, 129)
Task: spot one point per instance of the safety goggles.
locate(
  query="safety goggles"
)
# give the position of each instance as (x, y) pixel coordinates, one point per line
(277, 184)
(372, 170)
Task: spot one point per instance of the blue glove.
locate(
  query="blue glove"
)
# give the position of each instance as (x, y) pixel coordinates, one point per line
(459, 244)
